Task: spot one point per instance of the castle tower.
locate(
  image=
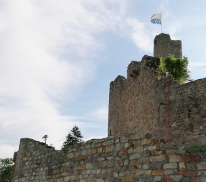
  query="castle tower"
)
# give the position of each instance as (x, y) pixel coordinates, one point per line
(163, 46)
(138, 103)
(134, 101)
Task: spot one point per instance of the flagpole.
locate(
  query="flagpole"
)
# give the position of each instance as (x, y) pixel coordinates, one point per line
(161, 21)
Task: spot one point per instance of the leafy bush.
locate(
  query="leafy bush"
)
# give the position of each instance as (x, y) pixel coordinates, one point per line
(176, 68)
(6, 169)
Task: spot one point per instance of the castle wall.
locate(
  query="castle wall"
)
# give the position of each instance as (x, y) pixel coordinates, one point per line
(187, 104)
(126, 158)
(157, 132)
(134, 102)
(163, 46)
(145, 104)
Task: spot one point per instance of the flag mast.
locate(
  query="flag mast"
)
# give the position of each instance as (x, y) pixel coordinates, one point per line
(161, 21)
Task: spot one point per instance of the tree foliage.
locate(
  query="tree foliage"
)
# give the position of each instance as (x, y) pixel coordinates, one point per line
(176, 68)
(73, 138)
(6, 169)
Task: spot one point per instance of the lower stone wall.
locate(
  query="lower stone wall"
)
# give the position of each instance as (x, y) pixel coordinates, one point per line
(125, 159)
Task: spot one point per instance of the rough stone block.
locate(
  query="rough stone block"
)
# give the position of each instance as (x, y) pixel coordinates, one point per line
(170, 166)
(201, 165)
(174, 158)
(157, 158)
(181, 165)
(145, 141)
(157, 172)
(191, 158)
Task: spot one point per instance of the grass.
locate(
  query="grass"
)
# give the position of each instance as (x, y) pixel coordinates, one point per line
(197, 147)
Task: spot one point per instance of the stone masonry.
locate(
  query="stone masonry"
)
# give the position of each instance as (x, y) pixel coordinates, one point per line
(163, 46)
(144, 103)
(126, 158)
(156, 133)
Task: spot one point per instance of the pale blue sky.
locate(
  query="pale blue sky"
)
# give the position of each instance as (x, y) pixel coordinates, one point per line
(57, 59)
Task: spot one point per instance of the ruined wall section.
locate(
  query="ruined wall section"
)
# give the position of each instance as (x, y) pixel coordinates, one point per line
(163, 46)
(36, 161)
(163, 108)
(134, 105)
(187, 104)
(127, 158)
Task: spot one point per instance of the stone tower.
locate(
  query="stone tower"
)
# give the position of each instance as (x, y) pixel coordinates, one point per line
(163, 46)
(145, 103)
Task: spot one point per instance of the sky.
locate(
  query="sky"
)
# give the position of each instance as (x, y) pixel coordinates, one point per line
(57, 59)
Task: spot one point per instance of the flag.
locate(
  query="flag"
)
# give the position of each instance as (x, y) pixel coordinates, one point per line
(156, 18)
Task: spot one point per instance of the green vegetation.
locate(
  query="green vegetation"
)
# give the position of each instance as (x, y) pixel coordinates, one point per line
(73, 138)
(196, 148)
(176, 68)
(6, 169)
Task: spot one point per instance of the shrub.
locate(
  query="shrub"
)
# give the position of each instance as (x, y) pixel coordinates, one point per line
(176, 68)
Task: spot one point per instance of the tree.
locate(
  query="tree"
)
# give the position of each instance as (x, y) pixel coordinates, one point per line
(73, 138)
(6, 169)
(176, 68)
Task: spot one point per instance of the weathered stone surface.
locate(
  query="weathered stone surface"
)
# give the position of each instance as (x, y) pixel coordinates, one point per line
(157, 172)
(201, 165)
(80, 164)
(155, 125)
(170, 166)
(174, 158)
(157, 158)
(191, 158)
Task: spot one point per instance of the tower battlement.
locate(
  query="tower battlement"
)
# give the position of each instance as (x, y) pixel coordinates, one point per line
(163, 46)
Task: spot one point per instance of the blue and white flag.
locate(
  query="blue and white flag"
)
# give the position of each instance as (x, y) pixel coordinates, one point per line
(156, 18)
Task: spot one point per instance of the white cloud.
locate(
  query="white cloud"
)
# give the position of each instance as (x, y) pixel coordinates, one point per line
(140, 35)
(100, 114)
(46, 52)
(33, 69)
(196, 64)
(7, 151)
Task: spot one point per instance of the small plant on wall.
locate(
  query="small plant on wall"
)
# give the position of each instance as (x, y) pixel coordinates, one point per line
(176, 68)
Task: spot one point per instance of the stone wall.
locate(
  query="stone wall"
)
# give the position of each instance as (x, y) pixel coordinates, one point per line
(143, 103)
(163, 46)
(126, 159)
(134, 102)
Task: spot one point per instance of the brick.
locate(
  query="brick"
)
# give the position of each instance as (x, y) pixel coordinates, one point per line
(127, 178)
(138, 149)
(157, 158)
(153, 147)
(157, 178)
(147, 172)
(108, 148)
(91, 180)
(168, 171)
(191, 173)
(182, 165)
(170, 166)
(157, 172)
(80, 158)
(195, 180)
(155, 142)
(191, 158)
(182, 171)
(201, 165)
(64, 174)
(89, 166)
(134, 156)
(81, 167)
(174, 158)
(145, 141)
